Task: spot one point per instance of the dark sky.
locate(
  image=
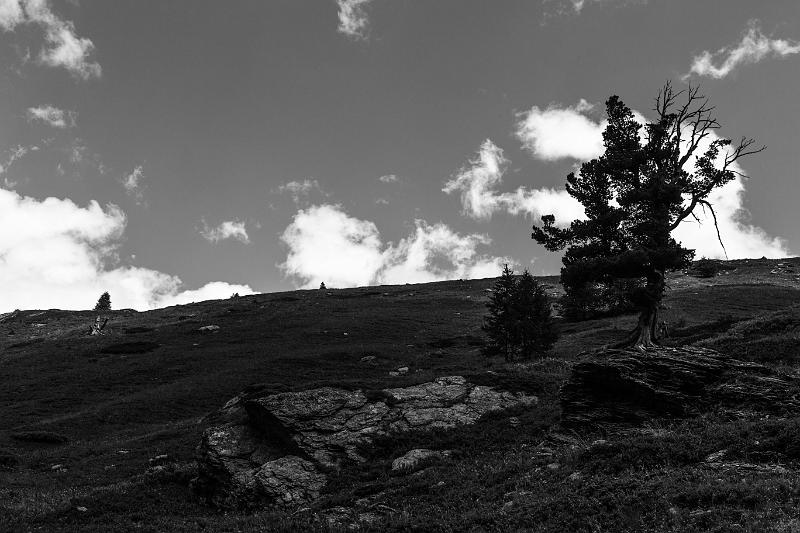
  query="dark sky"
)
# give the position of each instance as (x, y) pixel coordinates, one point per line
(268, 144)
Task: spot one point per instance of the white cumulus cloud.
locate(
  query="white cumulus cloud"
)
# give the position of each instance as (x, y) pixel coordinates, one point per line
(229, 229)
(353, 20)
(388, 178)
(56, 254)
(753, 47)
(52, 116)
(325, 244)
(478, 180)
(63, 48)
(578, 137)
(741, 239)
(11, 14)
(556, 133)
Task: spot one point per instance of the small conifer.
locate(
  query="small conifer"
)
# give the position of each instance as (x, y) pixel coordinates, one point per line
(519, 321)
(103, 303)
(497, 324)
(536, 331)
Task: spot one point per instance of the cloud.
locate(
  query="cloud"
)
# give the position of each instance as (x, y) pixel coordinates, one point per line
(753, 47)
(741, 239)
(11, 14)
(576, 6)
(52, 116)
(132, 183)
(57, 254)
(215, 290)
(77, 151)
(325, 244)
(477, 182)
(560, 132)
(63, 46)
(566, 133)
(388, 178)
(230, 229)
(300, 190)
(353, 20)
(15, 154)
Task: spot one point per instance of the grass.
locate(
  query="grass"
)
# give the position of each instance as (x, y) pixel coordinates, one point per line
(117, 401)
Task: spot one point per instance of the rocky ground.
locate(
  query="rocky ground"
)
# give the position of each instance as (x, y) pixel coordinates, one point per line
(373, 409)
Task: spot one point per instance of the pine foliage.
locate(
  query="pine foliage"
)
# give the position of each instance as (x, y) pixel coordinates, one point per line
(650, 178)
(519, 323)
(103, 303)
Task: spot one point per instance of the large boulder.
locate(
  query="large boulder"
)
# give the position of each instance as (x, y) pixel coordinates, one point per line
(631, 386)
(275, 449)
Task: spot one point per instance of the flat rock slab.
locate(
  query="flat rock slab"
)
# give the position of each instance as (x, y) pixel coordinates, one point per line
(273, 450)
(629, 386)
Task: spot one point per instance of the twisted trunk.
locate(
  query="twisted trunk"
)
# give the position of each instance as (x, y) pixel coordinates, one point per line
(646, 333)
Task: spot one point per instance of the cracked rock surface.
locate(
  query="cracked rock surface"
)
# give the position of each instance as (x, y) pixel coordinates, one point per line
(629, 386)
(273, 450)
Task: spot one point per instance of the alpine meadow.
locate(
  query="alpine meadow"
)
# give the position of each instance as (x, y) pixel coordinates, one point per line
(371, 265)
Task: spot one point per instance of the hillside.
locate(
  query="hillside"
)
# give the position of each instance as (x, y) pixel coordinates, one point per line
(86, 421)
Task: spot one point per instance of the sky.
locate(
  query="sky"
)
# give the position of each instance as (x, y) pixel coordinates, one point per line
(183, 150)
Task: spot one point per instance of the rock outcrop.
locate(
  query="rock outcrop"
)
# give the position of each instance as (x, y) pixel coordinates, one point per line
(274, 450)
(629, 386)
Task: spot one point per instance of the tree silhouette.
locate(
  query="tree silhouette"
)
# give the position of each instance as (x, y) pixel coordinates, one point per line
(637, 193)
(498, 324)
(536, 330)
(519, 321)
(103, 303)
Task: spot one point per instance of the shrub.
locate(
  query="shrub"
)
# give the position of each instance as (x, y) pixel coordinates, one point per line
(519, 321)
(705, 268)
(103, 303)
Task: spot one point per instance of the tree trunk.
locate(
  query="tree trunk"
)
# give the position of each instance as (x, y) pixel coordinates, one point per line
(645, 334)
(98, 326)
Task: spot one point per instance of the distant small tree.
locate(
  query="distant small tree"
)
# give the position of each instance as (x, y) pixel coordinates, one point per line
(103, 303)
(519, 321)
(704, 268)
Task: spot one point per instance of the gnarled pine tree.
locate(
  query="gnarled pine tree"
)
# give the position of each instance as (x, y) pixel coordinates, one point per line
(650, 178)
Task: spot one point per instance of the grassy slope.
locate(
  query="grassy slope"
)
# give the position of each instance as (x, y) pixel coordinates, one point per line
(119, 410)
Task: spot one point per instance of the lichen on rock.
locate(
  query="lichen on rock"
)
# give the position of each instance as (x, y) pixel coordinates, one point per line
(273, 449)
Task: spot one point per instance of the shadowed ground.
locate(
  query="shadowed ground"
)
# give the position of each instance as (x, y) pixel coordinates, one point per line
(85, 419)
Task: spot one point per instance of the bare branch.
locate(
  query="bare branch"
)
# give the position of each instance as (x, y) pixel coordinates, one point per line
(716, 225)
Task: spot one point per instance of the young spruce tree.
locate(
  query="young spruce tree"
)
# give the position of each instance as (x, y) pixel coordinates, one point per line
(519, 321)
(498, 324)
(536, 330)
